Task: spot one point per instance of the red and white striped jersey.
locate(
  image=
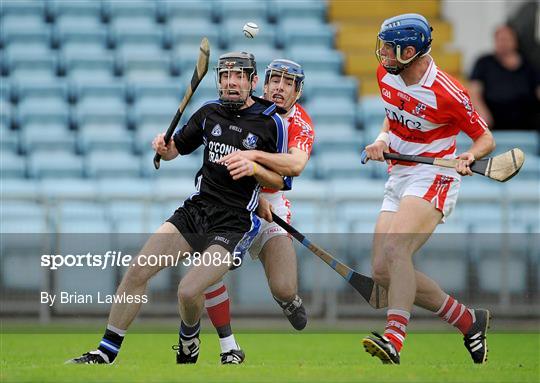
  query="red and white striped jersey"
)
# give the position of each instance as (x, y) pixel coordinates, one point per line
(425, 118)
(300, 132)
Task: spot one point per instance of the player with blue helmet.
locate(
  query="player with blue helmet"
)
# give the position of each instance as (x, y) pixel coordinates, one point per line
(425, 109)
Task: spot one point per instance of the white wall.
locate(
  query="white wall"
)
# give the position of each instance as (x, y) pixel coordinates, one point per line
(474, 23)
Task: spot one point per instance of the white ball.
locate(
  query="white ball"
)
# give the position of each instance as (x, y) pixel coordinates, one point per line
(251, 30)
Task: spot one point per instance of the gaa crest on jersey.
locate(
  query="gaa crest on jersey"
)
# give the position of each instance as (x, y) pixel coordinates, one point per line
(250, 142)
(216, 132)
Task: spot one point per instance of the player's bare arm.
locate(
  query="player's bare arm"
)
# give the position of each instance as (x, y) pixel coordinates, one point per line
(166, 151)
(240, 166)
(376, 150)
(481, 147)
(289, 164)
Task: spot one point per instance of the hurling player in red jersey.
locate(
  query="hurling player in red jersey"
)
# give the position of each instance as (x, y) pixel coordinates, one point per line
(284, 80)
(425, 110)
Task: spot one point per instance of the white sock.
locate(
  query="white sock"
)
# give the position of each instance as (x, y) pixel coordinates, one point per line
(228, 343)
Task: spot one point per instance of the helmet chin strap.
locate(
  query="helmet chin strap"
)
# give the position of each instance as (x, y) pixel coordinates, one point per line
(406, 63)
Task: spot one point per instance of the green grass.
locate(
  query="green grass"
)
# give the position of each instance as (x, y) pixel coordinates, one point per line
(270, 358)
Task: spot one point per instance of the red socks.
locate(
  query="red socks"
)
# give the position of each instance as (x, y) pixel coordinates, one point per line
(457, 314)
(396, 327)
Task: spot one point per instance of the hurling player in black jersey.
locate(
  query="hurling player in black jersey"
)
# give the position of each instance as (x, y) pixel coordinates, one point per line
(217, 224)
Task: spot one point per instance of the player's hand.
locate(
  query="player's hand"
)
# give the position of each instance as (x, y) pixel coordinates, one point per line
(239, 166)
(166, 151)
(264, 210)
(465, 160)
(247, 154)
(376, 150)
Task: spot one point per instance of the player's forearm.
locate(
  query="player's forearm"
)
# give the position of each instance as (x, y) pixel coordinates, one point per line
(268, 178)
(483, 145)
(285, 164)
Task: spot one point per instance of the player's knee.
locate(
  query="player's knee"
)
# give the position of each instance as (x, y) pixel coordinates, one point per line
(379, 272)
(187, 293)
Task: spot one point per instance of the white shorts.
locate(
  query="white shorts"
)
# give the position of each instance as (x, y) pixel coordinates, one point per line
(282, 207)
(439, 189)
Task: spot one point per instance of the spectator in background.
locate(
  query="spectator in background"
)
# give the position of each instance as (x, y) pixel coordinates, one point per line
(505, 87)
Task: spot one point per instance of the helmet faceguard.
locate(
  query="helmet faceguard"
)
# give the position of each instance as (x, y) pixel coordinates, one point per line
(244, 63)
(286, 70)
(398, 33)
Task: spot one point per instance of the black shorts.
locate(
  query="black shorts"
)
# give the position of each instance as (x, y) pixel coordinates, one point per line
(204, 223)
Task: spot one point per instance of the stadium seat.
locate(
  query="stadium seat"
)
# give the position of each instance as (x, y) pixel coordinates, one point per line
(299, 33)
(100, 96)
(57, 90)
(17, 22)
(112, 164)
(330, 111)
(316, 58)
(240, 13)
(114, 138)
(80, 43)
(336, 138)
(301, 12)
(370, 112)
(84, 14)
(90, 68)
(12, 165)
(186, 37)
(131, 15)
(22, 44)
(33, 67)
(9, 139)
(526, 140)
(18, 188)
(133, 42)
(57, 137)
(342, 88)
(178, 12)
(55, 164)
(58, 189)
(43, 118)
(142, 67)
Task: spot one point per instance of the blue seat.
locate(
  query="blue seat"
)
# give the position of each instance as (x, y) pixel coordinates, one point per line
(112, 164)
(32, 67)
(89, 68)
(72, 21)
(134, 42)
(43, 118)
(344, 88)
(27, 43)
(83, 217)
(296, 33)
(141, 67)
(131, 15)
(178, 12)
(336, 138)
(43, 104)
(530, 169)
(302, 12)
(20, 188)
(57, 189)
(57, 137)
(100, 96)
(15, 22)
(12, 165)
(329, 111)
(317, 58)
(370, 112)
(339, 165)
(32, 90)
(55, 164)
(6, 114)
(74, 10)
(112, 137)
(526, 140)
(9, 139)
(240, 12)
(80, 43)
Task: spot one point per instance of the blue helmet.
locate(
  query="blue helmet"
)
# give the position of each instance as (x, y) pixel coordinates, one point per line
(288, 68)
(410, 29)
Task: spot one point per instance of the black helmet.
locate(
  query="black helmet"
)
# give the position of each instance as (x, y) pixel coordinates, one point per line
(236, 61)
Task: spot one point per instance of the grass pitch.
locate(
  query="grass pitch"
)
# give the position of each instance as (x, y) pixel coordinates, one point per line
(274, 357)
